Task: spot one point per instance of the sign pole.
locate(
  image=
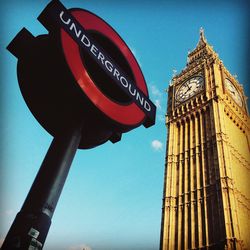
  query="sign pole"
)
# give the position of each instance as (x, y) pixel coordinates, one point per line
(31, 225)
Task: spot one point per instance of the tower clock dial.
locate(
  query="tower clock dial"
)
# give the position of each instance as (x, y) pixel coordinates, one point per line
(189, 88)
(233, 92)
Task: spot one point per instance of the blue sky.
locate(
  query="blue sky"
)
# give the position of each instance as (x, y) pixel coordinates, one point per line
(113, 195)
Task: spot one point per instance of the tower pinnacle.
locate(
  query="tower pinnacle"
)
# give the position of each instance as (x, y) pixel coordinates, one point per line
(202, 49)
(202, 39)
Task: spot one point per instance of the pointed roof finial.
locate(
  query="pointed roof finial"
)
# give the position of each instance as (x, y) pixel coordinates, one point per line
(201, 32)
(202, 37)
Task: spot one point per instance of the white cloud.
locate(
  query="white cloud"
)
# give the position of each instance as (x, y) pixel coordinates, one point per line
(80, 247)
(155, 91)
(158, 103)
(157, 145)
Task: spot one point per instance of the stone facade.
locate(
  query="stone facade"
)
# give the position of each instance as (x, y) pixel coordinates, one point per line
(206, 201)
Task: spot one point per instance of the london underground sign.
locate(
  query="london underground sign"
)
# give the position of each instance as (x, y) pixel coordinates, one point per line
(83, 85)
(74, 25)
(83, 69)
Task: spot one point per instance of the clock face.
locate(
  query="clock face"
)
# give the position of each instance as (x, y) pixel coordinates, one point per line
(233, 92)
(189, 88)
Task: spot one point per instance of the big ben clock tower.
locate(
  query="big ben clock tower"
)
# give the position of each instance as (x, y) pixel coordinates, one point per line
(206, 201)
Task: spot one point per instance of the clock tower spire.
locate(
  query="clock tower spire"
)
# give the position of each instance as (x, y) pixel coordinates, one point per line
(206, 200)
(202, 37)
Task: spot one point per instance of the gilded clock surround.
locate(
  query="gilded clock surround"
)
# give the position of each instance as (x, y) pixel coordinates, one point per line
(206, 201)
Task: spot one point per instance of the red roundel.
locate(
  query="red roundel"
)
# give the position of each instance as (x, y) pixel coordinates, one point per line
(124, 114)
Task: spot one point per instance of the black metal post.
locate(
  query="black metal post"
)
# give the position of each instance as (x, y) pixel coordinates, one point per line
(31, 225)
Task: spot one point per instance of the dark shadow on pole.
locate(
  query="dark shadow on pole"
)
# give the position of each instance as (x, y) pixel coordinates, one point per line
(31, 225)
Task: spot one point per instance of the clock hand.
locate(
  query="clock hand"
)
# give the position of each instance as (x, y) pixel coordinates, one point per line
(188, 86)
(185, 91)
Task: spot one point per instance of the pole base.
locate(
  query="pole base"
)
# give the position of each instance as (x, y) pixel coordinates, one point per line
(28, 232)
